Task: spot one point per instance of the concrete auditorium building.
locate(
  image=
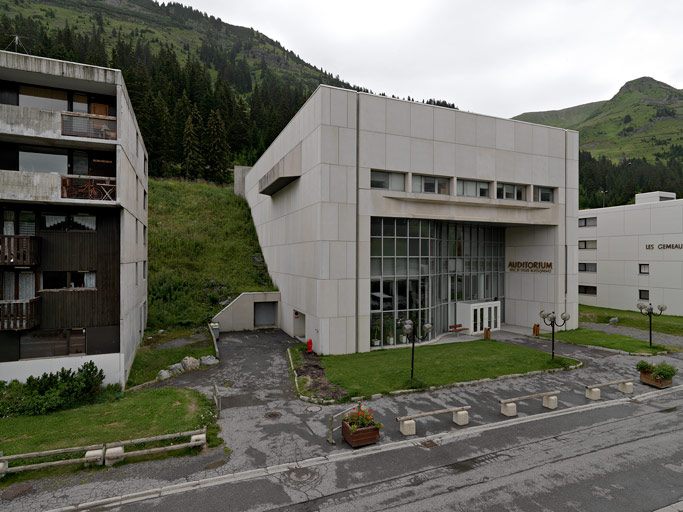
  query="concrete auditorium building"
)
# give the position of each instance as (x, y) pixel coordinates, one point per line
(371, 211)
(633, 253)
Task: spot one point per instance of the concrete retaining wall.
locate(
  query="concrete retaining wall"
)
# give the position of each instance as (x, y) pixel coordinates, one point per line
(239, 314)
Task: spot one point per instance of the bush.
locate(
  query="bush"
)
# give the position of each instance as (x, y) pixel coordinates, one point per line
(51, 391)
(644, 366)
(664, 371)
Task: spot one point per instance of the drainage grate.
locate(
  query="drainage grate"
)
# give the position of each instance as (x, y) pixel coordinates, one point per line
(273, 415)
(428, 444)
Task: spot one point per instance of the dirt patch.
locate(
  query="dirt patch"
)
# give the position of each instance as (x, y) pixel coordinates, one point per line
(318, 384)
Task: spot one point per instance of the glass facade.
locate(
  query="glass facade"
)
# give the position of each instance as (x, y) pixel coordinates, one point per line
(420, 269)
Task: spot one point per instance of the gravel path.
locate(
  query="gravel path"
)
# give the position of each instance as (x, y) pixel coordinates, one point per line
(657, 337)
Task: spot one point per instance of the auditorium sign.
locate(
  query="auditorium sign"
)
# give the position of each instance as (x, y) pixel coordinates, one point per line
(530, 266)
(663, 246)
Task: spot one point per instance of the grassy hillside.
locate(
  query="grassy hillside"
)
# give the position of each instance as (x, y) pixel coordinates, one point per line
(202, 250)
(644, 119)
(181, 27)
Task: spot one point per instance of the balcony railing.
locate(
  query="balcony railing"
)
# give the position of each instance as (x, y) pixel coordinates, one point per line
(19, 251)
(97, 188)
(78, 124)
(19, 315)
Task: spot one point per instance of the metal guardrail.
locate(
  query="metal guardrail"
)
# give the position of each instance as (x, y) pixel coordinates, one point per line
(77, 124)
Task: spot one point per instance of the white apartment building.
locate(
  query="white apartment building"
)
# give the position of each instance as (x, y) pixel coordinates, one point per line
(633, 253)
(371, 211)
(73, 204)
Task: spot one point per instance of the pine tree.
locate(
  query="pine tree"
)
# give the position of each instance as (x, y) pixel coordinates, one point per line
(193, 161)
(217, 149)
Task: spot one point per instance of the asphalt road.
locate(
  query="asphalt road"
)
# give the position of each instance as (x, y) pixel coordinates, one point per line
(624, 456)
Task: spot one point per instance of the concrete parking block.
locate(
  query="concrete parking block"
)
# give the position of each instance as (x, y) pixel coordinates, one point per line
(113, 455)
(626, 387)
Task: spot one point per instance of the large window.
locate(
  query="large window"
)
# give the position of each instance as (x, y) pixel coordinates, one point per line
(588, 244)
(44, 161)
(511, 191)
(588, 222)
(644, 294)
(470, 188)
(43, 98)
(421, 268)
(544, 194)
(431, 184)
(588, 267)
(388, 180)
(588, 290)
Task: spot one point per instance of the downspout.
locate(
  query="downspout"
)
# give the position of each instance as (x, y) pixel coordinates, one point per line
(566, 246)
(357, 217)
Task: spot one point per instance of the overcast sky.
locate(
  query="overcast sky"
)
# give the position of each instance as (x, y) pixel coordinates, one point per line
(498, 57)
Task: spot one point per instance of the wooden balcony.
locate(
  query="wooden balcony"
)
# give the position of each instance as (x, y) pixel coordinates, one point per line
(19, 250)
(96, 188)
(19, 315)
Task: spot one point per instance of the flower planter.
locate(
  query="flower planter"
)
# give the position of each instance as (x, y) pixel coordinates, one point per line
(361, 437)
(647, 378)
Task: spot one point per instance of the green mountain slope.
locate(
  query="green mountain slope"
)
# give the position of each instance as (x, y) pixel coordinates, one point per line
(184, 28)
(643, 120)
(202, 250)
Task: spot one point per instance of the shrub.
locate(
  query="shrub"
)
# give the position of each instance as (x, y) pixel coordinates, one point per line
(644, 367)
(664, 371)
(51, 391)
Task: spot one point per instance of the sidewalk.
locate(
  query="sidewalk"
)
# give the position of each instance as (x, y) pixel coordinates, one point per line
(265, 424)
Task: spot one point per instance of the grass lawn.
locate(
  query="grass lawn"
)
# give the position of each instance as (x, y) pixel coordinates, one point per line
(149, 359)
(667, 324)
(382, 371)
(137, 414)
(203, 250)
(607, 340)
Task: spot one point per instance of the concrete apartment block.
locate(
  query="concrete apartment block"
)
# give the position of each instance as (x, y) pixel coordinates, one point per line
(633, 253)
(372, 210)
(73, 191)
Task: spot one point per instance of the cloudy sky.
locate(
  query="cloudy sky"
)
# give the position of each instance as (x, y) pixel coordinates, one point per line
(499, 57)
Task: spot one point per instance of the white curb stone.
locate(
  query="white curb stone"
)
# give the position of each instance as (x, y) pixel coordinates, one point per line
(626, 387)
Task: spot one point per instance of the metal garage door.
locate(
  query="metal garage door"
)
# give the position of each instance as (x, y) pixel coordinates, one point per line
(265, 314)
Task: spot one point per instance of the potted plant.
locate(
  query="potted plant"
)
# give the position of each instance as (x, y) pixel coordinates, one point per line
(658, 375)
(359, 427)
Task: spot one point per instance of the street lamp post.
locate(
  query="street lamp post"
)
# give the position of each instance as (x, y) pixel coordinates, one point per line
(648, 310)
(409, 331)
(550, 320)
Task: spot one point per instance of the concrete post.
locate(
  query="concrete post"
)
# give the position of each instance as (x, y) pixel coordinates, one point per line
(626, 387)
(113, 455)
(593, 393)
(407, 427)
(508, 409)
(461, 418)
(550, 402)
